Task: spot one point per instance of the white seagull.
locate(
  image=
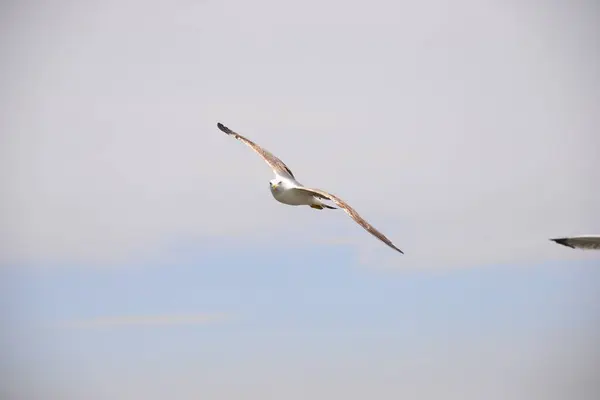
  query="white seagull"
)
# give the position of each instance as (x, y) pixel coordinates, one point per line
(287, 190)
(580, 242)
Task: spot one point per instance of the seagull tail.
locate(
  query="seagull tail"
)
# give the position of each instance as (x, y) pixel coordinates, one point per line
(319, 205)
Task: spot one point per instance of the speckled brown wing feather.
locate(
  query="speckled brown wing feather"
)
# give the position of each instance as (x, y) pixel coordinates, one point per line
(278, 166)
(352, 213)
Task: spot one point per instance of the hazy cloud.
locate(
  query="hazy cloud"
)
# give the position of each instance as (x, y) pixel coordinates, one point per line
(145, 320)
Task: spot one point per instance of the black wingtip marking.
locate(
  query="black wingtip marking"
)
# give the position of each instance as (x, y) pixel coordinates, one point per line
(224, 128)
(563, 242)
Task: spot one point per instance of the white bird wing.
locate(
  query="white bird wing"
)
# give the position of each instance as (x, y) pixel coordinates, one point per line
(580, 242)
(275, 163)
(352, 213)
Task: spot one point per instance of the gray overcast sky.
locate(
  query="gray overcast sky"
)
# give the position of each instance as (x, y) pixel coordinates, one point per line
(466, 131)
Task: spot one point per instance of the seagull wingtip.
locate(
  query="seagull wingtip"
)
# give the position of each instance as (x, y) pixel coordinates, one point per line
(224, 128)
(562, 241)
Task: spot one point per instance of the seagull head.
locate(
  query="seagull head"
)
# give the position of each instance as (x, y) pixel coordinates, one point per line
(274, 184)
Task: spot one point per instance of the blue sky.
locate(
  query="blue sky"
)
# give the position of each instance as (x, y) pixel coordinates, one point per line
(296, 316)
(142, 256)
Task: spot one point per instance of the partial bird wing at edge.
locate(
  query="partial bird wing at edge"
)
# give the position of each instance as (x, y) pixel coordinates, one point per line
(584, 242)
(275, 163)
(352, 213)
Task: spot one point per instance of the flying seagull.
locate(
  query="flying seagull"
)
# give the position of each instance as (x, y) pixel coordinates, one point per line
(580, 242)
(287, 190)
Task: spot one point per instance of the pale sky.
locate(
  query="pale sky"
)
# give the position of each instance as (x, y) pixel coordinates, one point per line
(466, 131)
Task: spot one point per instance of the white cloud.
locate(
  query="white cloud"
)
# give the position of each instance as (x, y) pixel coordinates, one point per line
(466, 134)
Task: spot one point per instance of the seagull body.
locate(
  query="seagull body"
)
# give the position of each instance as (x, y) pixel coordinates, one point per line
(293, 193)
(287, 190)
(580, 242)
